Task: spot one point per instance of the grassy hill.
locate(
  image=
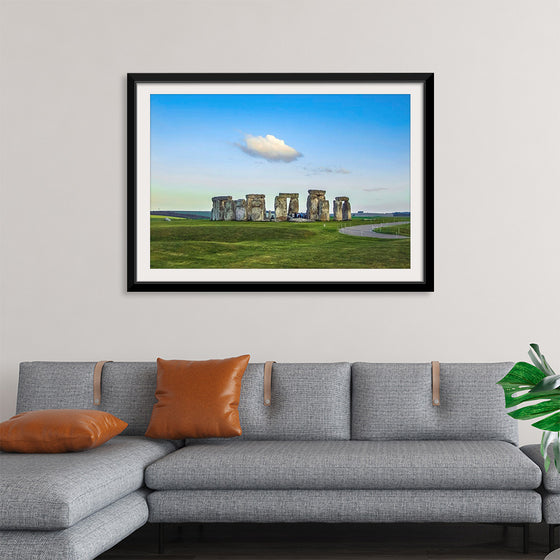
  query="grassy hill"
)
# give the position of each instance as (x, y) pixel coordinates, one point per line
(184, 243)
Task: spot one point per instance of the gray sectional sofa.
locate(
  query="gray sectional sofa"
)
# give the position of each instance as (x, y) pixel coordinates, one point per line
(340, 442)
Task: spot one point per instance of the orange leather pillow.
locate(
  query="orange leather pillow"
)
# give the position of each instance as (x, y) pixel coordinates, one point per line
(197, 399)
(58, 431)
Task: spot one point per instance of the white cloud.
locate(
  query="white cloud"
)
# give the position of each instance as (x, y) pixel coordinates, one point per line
(376, 189)
(268, 147)
(319, 170)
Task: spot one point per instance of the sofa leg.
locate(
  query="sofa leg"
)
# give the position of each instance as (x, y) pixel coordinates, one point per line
(161, 538)
(525, 538)
(551, 544)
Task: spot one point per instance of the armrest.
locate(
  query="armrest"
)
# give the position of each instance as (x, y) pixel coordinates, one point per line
(551, 479)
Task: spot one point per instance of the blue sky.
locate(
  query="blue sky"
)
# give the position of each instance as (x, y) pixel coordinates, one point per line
(214, 145)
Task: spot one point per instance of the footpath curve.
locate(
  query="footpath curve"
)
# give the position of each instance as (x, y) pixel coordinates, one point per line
(366, 231)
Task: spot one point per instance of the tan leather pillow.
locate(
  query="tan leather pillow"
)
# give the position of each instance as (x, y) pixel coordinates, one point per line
(58, 431)
(197, 399)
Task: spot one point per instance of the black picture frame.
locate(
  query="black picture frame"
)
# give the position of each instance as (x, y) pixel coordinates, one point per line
(425, 284)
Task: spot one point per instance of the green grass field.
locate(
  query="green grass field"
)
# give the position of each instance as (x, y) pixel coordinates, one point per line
(184, 243)
(396, 230)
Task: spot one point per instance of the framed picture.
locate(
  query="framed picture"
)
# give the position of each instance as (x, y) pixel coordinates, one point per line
(280, 182)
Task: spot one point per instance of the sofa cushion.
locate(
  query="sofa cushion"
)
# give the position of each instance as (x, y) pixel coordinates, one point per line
(40, 385)
(85, 540)
(127, 389)
(54, 491)
(309, 402)
(344, 465)
(394, 401)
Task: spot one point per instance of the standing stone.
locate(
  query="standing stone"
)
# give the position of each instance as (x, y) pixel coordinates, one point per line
(313, 203)
(324, 215)
(240, 206)
(312, 207)
(294, 205)
(346, 210)
(256, 207)
(338, 205)
(229, 210)
(337, 210)
(281, 208)
(218, 207)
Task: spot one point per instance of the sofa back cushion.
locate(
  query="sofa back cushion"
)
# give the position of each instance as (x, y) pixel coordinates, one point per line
(127, 389)
(309, 401)
(394, 402)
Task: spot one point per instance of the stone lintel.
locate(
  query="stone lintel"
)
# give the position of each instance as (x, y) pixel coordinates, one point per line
(316, 192)
(342, 198)
(288, 195)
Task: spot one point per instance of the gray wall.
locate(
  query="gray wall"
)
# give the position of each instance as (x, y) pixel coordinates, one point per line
(63, 179)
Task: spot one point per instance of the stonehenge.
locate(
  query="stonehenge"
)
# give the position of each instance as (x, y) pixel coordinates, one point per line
(286, 207)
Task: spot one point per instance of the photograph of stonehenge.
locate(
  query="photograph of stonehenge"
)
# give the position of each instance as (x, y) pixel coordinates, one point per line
(253, 180)
(252, 208)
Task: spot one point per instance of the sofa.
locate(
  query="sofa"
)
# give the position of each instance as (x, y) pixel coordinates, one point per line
(340, 442)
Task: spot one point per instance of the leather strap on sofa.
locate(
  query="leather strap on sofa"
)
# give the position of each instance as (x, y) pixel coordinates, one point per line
(435, 383)
(97, 370)
(268, 383)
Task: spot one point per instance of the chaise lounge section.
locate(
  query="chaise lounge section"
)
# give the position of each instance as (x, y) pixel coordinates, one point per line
(74, 506)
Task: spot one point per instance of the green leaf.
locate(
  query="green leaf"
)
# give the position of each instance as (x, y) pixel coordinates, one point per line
(512, 400)
(535, 410)
(525, 383)
(550, 423)
(521, 375)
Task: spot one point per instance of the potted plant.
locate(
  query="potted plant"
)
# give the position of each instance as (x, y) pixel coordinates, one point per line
(526, 383)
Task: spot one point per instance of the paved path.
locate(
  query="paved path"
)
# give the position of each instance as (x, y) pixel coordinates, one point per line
(365, 231)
